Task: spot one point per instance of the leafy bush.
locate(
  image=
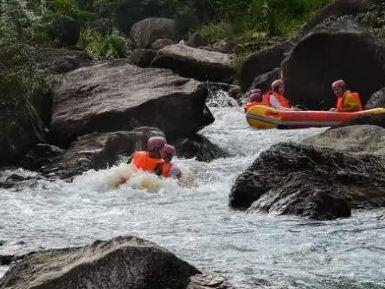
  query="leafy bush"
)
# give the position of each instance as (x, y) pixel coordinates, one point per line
(98, 46)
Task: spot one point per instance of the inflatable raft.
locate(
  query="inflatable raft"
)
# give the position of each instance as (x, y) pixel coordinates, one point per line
(265, 117)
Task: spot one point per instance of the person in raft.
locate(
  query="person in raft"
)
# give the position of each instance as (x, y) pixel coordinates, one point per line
(275, 98)
(255, 97)
(150, 161)
(347, 101)
(169, 170)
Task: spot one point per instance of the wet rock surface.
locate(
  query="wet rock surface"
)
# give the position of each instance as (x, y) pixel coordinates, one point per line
(376, 120)
(118, 96)
(123, 262)
(287, 169)
(199, 147)
(196, 63)
(321, 58)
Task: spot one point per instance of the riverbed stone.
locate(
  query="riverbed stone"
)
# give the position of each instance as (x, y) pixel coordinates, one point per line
(123, 262)
(118, 96)
(358, 140)
(284, 170)
(377, 99)
(196, 63)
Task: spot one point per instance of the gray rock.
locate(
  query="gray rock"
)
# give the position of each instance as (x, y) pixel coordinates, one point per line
(123, 262)
(358, 140)
(161, 43)
(196, 40)
(142, 57)
(199, 147)
(98, 151)
(146, 31)
(377, 99)
(65, 31)
(119, 96)
(196, 63)
(264, 81)
(61, 60)
(321, 58)
(302, 180)
(262, 62)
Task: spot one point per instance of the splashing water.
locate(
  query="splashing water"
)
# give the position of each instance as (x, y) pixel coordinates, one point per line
(193, 219)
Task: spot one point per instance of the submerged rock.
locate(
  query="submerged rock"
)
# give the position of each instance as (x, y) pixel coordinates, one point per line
(196, 63)
(118, 96)
(285, 170)
(123, 262)
(321, 58)
(146, 31)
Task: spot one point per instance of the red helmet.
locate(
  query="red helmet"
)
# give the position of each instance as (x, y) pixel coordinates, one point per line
(277, 83)
(256, 90)
(339, 83)
(169, 149)
(255, 97)
(156, 142)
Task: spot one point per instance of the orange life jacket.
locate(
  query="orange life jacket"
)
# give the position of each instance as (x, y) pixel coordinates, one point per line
(350, 101)
(166, 169)
(282, 100)
(143, 161)
(250, 104)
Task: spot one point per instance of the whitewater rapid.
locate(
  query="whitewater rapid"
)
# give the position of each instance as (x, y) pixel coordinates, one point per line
(195, 222)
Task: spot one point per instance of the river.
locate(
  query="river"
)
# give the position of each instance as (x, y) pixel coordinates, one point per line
(196, 223)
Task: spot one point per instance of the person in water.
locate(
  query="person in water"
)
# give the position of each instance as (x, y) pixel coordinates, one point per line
(150, 161)
(275, 98)
(347, 101)
(168, 168)
(255, 97)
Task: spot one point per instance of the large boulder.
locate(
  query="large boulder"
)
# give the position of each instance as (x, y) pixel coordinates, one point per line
(286, 169)
(142, 57)
(146, 31)
(314, 198)
(262, 62)
(336, 9)
(123, 262)
(322, 57)
(196, 63)
(377, 99)
(98, 151)
(199, 147)
(359, 140)
(264, 81)
(119, 96)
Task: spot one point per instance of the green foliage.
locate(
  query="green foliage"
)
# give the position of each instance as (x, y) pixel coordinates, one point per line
(98, 46)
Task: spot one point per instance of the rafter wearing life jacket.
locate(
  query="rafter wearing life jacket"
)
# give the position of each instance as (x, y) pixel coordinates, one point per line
(275, 98)
(150, 161)
(255, 97)
(346, 100)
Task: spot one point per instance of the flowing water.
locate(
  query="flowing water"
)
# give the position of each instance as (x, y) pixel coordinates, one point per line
(196, 223)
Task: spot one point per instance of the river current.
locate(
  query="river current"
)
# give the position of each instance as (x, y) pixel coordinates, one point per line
(195, 222)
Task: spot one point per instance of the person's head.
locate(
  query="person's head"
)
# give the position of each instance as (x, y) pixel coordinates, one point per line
(256, 96)
(155, 146)
(339, 87)
(278, 86)
(168, 152)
